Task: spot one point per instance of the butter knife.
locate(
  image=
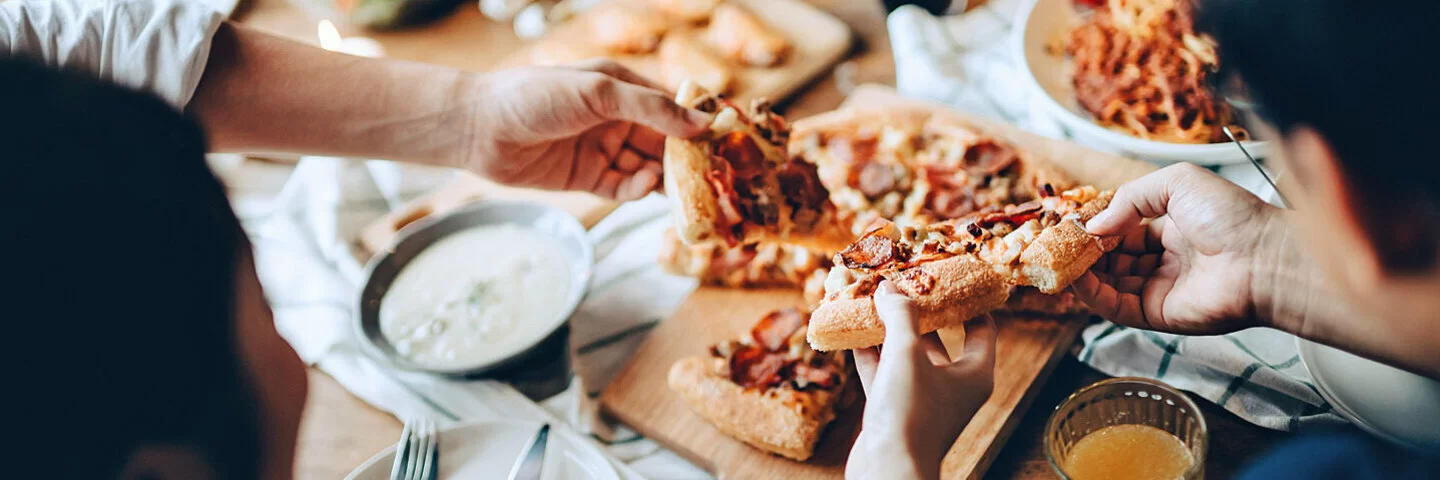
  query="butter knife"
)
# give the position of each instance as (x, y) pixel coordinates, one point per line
(532, 460)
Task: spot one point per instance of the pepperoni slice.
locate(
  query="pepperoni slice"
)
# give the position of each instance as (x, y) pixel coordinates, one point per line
(800, 181)
(876, 180)
(774, 330)
(743, 154)
(871, 252)
(989, 158)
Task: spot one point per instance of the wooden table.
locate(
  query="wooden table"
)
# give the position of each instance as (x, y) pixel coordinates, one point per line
(340, 430)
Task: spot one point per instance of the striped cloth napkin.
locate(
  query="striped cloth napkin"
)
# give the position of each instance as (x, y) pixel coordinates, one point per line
(303, 236)
(968, 61)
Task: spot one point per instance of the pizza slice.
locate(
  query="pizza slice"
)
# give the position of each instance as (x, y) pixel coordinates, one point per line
(735, 183)
(691, 11)
(756, 265)
(737, 34)
(958, 269)
(683, 59)
(767, 388)
(623, 29)
(914, 166)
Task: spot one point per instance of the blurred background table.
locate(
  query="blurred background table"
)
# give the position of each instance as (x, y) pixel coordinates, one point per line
(340, 431)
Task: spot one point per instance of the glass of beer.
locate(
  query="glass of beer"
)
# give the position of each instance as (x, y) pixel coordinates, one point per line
(1127, 428)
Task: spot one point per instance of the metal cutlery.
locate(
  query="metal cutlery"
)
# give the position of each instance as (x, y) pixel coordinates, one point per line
(532, 460)
(1256, 163)
(417, 454)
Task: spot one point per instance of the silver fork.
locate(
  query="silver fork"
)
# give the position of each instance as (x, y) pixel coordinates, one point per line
(417, 454)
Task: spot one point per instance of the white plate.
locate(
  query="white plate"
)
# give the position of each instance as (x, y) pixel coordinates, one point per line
(489, 450)
(1390, 403)
(1043, 22)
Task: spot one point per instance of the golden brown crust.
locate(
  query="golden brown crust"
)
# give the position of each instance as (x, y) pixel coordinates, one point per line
(1063, 252)
(965, 287)
(693, 202)
(748, 415)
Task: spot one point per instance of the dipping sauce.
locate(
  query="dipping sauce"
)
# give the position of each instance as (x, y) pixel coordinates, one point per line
(1128, 452)
(476, 296)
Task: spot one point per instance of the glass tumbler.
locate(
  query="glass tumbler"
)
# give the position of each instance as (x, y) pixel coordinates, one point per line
(1126, 401)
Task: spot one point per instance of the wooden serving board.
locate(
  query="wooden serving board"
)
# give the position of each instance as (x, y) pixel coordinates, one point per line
(817, 41)
(1026, 349)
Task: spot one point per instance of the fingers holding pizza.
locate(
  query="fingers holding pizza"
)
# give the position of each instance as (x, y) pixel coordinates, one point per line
(917, 397)
(736, 184)
(959, 269)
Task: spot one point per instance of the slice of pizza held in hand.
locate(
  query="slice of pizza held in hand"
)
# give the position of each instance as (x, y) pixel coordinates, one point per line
(959, 269)
(767, 388)
(736, 184)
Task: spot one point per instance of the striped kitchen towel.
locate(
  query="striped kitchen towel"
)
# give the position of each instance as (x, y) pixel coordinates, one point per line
(967, 61)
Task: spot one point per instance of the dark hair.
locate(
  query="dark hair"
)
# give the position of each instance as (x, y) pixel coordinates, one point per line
(120, 250)
(1357, 73)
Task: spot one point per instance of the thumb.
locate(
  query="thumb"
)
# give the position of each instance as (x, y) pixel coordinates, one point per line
(900, 318)
(1145, 197)
(650, 107)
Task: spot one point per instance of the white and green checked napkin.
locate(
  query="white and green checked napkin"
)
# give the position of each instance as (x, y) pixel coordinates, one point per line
(968, 61)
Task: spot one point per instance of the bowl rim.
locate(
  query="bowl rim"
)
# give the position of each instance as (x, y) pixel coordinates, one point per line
(414, 230)
(1152, 149)
(1052, 423)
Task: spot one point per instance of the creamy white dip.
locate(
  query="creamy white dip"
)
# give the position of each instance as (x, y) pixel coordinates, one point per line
(476, 296)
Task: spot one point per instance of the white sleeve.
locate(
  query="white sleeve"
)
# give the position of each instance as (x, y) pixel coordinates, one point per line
(159, 46)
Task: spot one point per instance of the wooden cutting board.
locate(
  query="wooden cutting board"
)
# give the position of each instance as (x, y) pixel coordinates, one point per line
(817, 40)
(1026, 349)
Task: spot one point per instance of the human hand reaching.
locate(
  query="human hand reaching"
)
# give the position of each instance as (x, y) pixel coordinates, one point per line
(593, 126)
(1196, 266)
(917, 400)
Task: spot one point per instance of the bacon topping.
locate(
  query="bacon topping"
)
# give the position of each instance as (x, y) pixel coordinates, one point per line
(743, 154)
(1014, 215)
(754, 367)
(871, 252)
(989, 158)
(775, 328)
(852, 150)
(823, 376)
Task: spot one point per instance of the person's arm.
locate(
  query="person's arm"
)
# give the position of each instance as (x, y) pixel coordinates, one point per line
(262, 93)
(593, 126)
(1214, 258)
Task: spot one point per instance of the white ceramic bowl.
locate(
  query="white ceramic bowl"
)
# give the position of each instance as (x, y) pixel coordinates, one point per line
(415, 238)
(1042, 22)
(1390, 403)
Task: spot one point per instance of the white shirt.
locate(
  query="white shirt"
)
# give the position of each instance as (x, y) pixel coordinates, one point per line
(159, 46)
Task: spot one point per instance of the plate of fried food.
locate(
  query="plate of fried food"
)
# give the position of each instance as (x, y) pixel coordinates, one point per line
(1133, 77)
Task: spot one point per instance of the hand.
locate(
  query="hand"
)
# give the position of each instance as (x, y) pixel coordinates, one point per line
(916, 399)
(1192, 270)
(594, 126)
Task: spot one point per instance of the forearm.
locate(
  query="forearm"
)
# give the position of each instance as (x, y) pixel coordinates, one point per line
(261, 93)
(878, 456)
(1292, 294)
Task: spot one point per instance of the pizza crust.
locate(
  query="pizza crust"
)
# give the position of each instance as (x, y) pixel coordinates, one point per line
(965, 288)
(1064, 252)
(763, 422)
(693, 202)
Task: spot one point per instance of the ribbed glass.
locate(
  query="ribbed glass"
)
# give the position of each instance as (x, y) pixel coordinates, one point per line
(1126, 401)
